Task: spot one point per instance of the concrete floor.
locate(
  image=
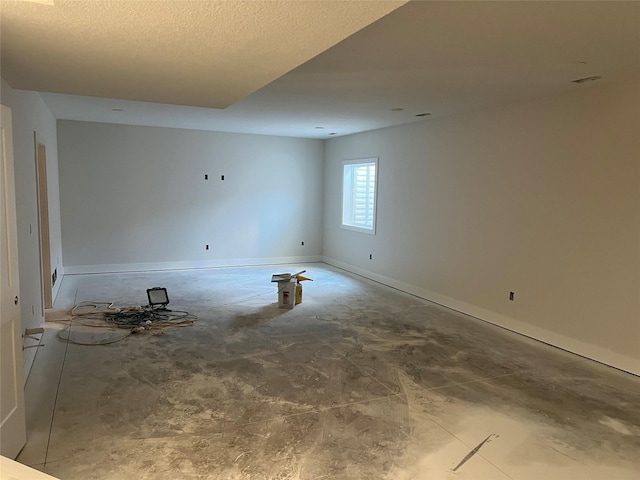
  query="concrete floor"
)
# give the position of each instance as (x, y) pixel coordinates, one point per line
(358, 382)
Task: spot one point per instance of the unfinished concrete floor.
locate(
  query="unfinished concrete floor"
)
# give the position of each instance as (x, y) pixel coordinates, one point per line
(358, 382)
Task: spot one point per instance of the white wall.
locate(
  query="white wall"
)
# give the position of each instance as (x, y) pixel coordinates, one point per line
(30, 114)
(135, 198)
(541, 198)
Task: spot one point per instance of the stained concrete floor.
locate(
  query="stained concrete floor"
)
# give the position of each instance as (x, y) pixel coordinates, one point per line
(358, 382)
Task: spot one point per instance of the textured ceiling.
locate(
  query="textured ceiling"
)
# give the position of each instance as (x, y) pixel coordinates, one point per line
(442, 58)
(199, 53)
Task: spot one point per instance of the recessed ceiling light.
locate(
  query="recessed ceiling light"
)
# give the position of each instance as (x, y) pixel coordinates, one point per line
(423, 114)
(333, 133)
(320, 128)
(116, 109)
(397, 109)
(587, 79)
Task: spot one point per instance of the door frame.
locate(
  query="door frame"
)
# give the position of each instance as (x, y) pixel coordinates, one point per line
(43, 224)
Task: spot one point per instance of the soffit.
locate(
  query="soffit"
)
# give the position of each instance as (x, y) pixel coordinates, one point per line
(443, 58)
(197, 53)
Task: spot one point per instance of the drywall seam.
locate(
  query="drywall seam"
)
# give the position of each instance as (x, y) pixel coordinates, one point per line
(593, 352)
(147, 267)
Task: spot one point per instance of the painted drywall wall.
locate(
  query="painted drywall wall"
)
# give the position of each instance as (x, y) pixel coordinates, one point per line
(136, 198)
(30, 114)
(541, 198)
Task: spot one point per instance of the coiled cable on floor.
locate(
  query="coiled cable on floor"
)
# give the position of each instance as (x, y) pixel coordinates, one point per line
(132, 319)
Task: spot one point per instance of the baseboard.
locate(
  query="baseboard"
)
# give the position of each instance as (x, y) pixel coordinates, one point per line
(587, 350)
(148, 267)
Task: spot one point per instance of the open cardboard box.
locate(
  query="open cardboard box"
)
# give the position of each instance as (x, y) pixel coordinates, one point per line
(289, 288)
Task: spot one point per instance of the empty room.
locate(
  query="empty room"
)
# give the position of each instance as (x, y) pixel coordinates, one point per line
(260, 240)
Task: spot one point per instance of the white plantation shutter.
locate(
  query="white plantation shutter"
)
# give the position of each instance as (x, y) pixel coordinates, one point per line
(364, 182)
(359, 194)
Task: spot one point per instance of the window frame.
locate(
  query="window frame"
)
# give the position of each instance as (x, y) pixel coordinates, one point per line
(347, 191)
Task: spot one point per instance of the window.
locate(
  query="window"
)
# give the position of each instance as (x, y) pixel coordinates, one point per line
(359, 194)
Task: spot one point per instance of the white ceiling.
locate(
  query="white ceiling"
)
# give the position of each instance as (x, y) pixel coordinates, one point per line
(181, 52)
(438, 57)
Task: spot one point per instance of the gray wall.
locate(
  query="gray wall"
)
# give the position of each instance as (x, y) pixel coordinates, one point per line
(135, 198)
(30, 114)
(541, 198)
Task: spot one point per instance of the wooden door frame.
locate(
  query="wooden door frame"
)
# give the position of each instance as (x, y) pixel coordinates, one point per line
(43, 224)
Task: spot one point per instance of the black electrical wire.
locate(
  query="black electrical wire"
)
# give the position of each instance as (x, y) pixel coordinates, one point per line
(149, 318)
(136, 319)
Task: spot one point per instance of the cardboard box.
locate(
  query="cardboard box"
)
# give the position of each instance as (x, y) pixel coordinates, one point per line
(298, 293)
(289, 288)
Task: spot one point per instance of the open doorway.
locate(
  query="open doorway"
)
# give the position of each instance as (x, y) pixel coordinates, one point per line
(43, 224)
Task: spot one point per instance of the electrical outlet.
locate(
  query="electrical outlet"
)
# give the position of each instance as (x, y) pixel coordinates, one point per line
(302, 243)
(371, 256)
(206, 177)
(206, 247)
(221, 177)
(512, 296)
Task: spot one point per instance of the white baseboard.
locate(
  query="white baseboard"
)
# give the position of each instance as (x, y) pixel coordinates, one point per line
(148, 267)
(593, 352)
